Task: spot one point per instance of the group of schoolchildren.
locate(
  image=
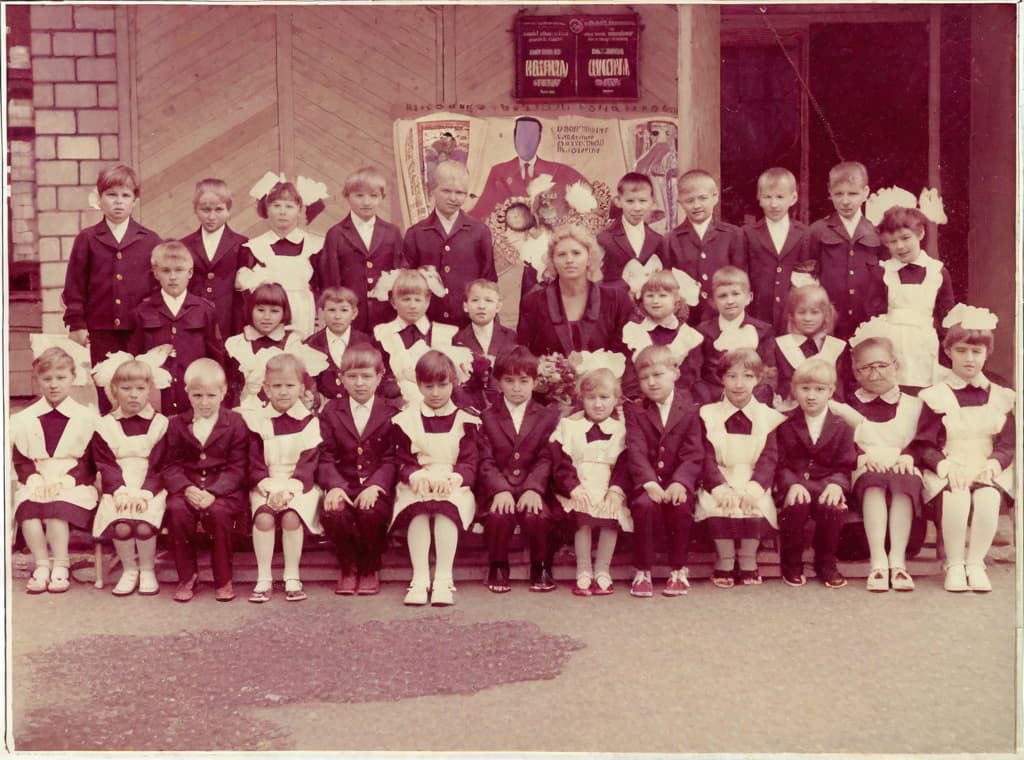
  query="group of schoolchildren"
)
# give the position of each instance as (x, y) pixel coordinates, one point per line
(413, 409)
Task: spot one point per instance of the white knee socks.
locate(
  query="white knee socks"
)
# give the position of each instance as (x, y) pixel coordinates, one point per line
(125, 549)
(291, 546)
(984, 522)
(956, 506)
(418, 540)
(446, 540)
(901, 516)
(147, 553)
(263, 547)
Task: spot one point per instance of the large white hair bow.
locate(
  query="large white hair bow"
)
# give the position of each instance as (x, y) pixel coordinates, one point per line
(636, 274)
(103, 372)
(970, 318)
(386, 282)
(265, 184)
(928, 203)
(588, 361)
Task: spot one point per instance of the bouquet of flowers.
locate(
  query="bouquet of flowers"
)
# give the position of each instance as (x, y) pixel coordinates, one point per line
(556, 378)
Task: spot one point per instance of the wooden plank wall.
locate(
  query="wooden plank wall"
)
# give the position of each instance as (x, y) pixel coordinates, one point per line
(232, 92)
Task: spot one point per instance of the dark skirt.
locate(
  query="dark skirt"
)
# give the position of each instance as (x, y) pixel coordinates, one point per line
(445, 508)
(581, 520)
(72, 514)
(890, 483)
(737, 527)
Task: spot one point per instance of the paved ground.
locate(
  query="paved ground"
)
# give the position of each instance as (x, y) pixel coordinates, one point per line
(761, 669)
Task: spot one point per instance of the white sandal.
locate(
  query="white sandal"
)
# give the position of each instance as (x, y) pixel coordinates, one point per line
(59, 580)
(901, 580)
(39, 580)
(878, 580)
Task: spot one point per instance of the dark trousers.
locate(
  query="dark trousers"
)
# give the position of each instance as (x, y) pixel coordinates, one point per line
(828, 521)
(360, 536)
(498, 529)
(101, 343)
(218, 521)
(677, 519)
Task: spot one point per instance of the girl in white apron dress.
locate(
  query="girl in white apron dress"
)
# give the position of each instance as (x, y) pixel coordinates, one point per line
(436, 450)
(128, 450)
(967, 434)
(282, 475)
(919, 293)
(740, 455)
(887, 482)
(810, 317)
(285, 253)
(56, 479)
(665, 307)
(590, 477)
(268, 334)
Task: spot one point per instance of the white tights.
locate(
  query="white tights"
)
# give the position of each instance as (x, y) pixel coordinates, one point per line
(956, 509)
(897, 517)
(606, 540)
(446, 540)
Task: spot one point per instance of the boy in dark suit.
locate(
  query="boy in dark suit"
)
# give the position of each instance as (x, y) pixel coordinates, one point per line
(216, 255)
(816, 457)
(357, 471)
(847, 249)
(182, 323)
(486, 337)
(777, 249)
(453, 242)
(665, 454)
(514, 471)
(104, 280)
(629, 237)
(207, 449)
(700, 246)
(359, 248)
(338, 310)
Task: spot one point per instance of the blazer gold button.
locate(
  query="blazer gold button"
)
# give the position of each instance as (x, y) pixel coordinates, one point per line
(117, 301)
(174, 331)
(661, 465)
(369, 265)
(851, 252)
(703, 255)
(117, 322)
(359, 449)
(516, 471)
(202, 456)
(119, 255)
(778, 269)
(807, 476)
(118, 276)
(210, 276)
(447, 248)
(852, 291)
(447, 268)
(209, 290)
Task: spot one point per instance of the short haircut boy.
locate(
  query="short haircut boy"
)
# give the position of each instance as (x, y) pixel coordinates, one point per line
(118, 175)
(206, 373)
(694, 175)
(634, 181)
(170, 250)
(655, 356)
(518, 360)
(365, 178)
(52, 358)
(435, 367)
(410, 282)
(272, 294)
(337, 294)
(815, 370)
(853, 172)
(362, 356)
(747, 358)
(775, 176)
(451, 169)
(729, 275)
(215, 187)
(484, 284)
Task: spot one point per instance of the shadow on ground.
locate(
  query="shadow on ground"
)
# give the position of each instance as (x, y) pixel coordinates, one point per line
(188, 691)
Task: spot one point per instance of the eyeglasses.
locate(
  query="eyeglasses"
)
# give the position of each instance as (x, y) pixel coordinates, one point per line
(878, 367)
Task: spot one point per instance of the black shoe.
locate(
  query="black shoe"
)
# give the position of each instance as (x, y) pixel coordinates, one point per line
(831, 577)
(792, 577)
(497, 579)
(542, 581)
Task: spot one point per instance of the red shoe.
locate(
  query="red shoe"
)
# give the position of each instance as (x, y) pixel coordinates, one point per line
(584, 586)
(642, 585)
(678, 584)
(603, 585)
(369, 584)
(347, 585)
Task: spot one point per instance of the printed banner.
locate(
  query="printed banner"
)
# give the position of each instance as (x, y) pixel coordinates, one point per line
(530, 174)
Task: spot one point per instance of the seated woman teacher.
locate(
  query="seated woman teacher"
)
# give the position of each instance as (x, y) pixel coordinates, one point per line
(572, 311)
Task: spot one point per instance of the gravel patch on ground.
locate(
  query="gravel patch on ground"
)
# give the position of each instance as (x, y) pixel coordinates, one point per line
(190, 690)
